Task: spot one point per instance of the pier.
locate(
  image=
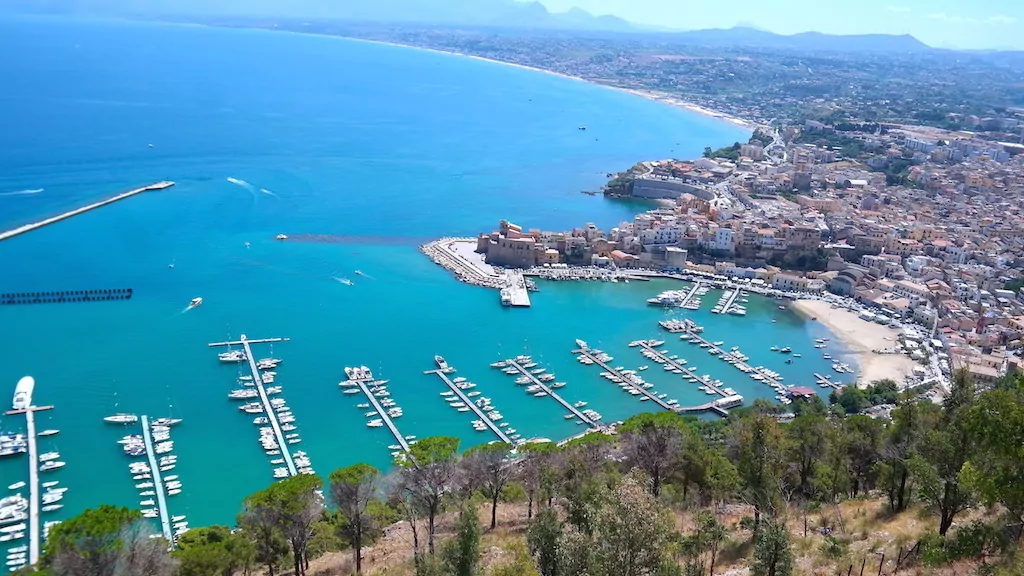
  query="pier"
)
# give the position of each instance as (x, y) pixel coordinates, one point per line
(257, 380)
(687, 373)
(580, 415)
(739, 365)
(382, 413)
(643, 391)
(724, 309)
(472, 405)
(689, 295)
(520, 296)
(825, 382)
(54, 219)
(33, 465)
(158, 482)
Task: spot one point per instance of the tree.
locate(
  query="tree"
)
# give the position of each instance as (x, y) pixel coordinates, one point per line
(651, 441)
(490, 465)
(807, 437)
(213, 551)
(352, 490)
(772, 554)
(462, 553)
(631, 532)
(996, 467)
(430, 478)
(757, 444)
(519, 563)
(536, 470)
(944, 452)
(701, 547)
(853, 399)
(861, 443)
(105, 541)
(286, 511)
(259, 522)
(909, 422)
(543, 538)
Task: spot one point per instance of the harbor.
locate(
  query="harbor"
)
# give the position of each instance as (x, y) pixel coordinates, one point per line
(624, 379)
(72, 213)
(276, 438)
(383, 411)
(523, 364)
(476, 406)
(158, 482)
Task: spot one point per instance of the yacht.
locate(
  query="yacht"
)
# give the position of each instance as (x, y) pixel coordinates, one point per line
(121, 419)
(441, 362)
(48, 432)
(582, 344)
(195, 302)
(580, 404)
(16, 485)
(51, 465)
(231, 356)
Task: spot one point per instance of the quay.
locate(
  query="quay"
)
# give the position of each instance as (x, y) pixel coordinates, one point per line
(825, 382)
(654, 398)
(25, 386)
(158, 482)
(54, 219)
(469, 402)
(257, 380)
(382, 413)
(693, 291)
(592, 423)
(518, 293)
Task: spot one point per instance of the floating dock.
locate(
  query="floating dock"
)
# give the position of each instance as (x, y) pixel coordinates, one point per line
(580, 415)
(766, 378)
(257, 380)
(27, 385)
(643, 391)
(693, 292)
(382, 413)
(517, 288)
(471, 404)
(158, 482)
(54, 219)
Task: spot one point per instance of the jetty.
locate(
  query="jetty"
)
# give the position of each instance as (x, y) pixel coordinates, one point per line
(257, 380)
(23, 396)
(689, 295)
(72, 213)
(592, 355)
(686, 372)
(512, 362)
(472, 405)
(158, 482)
(382, 412)
(739, 365)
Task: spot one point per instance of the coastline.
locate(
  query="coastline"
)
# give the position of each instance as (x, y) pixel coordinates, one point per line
(659, 97)
(860, 337)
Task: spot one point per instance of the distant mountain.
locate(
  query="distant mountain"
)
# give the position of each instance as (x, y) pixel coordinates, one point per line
(506, 13)
(743, 36)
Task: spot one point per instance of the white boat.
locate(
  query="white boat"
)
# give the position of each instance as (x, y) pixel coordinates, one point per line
(50, 432)
(49, 456)
(51, 465)
(16, 485)
(121, 419)
(441, 362)
(350, 391)
(195, 302)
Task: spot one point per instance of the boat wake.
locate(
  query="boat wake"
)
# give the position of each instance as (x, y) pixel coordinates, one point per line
(22, 192)
(241, 183)
(344, 281)
(265, 191)
(365, 275)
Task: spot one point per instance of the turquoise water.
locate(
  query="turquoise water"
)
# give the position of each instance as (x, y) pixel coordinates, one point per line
(379, 146)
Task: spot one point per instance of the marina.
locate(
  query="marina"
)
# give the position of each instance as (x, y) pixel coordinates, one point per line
(691, 333)
(519, 364)
(22, 404)
(469, 402)
(362, 377)
(825, 382)
(727, 303)
(269, 409)
(595, 357)
(71, 213)
(517, 293)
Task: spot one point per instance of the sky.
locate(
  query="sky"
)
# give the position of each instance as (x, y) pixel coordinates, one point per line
(967, 24)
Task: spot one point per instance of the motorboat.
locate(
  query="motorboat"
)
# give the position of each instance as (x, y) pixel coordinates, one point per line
(49, 432)
(16, 485)
(441, 362)
(195, 303)
(51, 465)
(232, 356)
(121, 419)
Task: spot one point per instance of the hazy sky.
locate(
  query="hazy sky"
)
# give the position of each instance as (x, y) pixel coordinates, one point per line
(943, 23)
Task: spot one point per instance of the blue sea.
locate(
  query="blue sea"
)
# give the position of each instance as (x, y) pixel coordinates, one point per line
(379, 147)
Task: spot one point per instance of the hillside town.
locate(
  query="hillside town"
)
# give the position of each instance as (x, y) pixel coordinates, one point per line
(918, 227)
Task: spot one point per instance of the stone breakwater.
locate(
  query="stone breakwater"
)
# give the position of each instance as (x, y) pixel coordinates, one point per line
(451, 254)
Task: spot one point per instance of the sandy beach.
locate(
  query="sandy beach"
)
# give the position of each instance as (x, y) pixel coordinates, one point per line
(861, 337)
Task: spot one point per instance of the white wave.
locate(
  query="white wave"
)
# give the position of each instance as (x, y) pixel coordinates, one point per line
(265, 191)
(22, 192)
(241, 183)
